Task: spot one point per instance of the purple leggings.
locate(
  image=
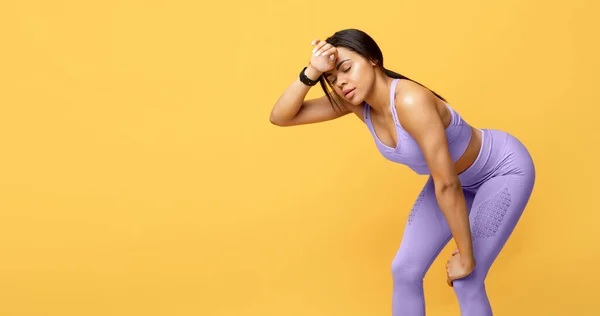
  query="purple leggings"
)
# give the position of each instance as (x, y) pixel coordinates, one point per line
(497, 187)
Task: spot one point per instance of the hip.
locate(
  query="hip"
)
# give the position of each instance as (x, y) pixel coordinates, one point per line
(500, 154)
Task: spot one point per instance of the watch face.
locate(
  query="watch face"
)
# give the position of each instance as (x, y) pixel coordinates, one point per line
(307, 80)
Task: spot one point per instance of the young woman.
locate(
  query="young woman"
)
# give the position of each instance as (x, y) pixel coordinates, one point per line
(479, 183)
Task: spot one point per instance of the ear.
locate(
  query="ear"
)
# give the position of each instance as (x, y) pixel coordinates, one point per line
(374, 62)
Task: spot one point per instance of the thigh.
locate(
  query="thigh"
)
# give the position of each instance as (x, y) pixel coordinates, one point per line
(496, 210)
(426, 231)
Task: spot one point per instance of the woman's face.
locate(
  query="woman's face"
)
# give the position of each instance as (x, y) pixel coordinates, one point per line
(352, 76)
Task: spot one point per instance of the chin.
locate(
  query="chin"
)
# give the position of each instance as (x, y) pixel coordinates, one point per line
(356, 101)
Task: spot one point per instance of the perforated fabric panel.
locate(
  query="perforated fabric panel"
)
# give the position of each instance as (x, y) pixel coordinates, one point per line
(490, 215)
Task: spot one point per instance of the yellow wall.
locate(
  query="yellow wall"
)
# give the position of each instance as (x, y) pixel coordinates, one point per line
(140, 175)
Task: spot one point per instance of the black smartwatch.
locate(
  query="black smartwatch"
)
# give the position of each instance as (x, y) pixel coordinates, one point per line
(307, 81)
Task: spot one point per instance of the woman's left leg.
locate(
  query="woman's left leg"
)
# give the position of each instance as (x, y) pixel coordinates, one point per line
(497, 207)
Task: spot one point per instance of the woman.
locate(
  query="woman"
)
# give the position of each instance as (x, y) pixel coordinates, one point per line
(479, 183)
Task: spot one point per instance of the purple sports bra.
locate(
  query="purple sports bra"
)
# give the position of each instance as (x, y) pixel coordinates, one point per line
(407, 151)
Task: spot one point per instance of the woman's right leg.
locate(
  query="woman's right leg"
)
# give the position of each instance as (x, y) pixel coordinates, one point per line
(425, 235)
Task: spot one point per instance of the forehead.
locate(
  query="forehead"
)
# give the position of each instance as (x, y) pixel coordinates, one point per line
(343, 54)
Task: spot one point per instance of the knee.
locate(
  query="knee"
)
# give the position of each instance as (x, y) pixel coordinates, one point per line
(406, 271)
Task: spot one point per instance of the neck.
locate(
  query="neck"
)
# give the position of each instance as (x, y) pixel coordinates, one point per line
(379, 97)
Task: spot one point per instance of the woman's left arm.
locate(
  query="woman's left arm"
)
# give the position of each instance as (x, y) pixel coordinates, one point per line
(418, 115)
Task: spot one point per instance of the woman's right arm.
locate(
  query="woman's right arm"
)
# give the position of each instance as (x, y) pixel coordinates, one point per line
(291, 108)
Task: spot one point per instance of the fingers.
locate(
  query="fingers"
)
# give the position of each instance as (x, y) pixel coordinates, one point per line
(449, 274)
(322, 48)
(449, 279)
(317, 44)
(327, 49)
(331, 51)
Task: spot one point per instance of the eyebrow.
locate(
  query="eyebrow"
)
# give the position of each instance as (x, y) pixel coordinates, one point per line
(338, 66)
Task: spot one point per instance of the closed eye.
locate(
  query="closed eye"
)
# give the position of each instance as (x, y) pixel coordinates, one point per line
(334, 78)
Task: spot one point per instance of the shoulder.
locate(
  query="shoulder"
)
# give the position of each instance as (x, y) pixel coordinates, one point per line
(410, 96)
(416, 107)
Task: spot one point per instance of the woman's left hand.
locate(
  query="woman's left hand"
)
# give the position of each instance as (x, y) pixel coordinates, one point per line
(458, 267)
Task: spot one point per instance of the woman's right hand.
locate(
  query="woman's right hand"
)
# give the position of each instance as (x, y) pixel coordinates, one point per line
(324, 56)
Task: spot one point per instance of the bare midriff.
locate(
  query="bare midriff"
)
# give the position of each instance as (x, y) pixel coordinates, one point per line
(471, 153)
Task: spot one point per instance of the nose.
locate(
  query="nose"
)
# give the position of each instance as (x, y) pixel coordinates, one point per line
(341, 81)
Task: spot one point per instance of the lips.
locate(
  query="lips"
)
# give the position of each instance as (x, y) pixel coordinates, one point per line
(348, 91)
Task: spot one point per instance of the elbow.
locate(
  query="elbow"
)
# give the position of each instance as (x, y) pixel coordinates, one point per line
(279, 121)
(273, 120)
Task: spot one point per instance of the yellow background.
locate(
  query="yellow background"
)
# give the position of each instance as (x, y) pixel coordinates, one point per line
(140, 175)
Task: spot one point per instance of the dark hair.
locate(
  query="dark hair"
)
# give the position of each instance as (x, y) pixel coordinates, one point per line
(361, 43)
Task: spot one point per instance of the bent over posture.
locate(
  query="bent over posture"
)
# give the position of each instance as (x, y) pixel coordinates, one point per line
(479, 180)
